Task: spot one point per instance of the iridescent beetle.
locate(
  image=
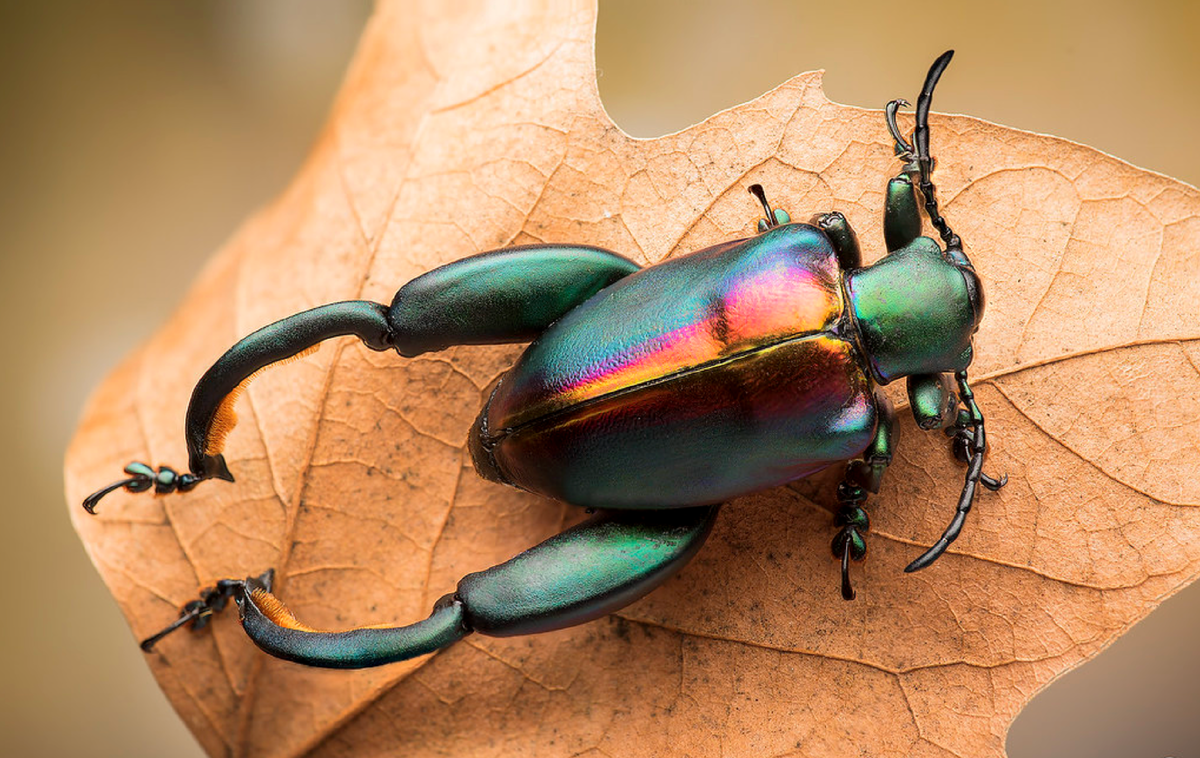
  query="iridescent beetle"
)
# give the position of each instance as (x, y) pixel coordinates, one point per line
(649, 394)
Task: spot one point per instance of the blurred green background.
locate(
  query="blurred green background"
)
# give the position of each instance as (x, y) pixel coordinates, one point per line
(136, 134)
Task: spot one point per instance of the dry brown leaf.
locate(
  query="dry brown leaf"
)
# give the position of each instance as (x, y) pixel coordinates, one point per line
(455, 135)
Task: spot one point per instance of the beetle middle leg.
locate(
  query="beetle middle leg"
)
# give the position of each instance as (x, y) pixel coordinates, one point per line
(863, 476)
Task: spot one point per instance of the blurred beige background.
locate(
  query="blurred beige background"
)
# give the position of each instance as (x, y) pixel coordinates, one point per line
(137, 133)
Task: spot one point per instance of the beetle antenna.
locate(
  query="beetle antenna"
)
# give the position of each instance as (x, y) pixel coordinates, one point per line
(924, 160)
(976, 447)
(757, 191)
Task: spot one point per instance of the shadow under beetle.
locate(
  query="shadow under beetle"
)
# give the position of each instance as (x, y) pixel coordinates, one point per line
(651, 394)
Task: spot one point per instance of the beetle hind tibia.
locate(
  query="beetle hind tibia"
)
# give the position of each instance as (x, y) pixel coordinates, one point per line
(225, 418)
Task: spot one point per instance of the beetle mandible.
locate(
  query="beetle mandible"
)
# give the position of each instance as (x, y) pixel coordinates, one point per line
(649, 394)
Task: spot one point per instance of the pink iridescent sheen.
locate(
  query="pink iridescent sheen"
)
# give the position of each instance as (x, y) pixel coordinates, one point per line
(754, 309)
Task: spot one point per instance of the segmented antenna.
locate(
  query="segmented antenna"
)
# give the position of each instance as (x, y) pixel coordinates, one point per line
(924, 159)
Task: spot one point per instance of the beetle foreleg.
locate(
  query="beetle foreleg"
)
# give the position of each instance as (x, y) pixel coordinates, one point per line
(590, 570)
(971, 444)
(917, 158)
(924, 159)
(932, 401)
(901, 214)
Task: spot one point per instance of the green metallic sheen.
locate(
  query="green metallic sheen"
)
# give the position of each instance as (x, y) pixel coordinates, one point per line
(508, 295)
(902, 215)
(355, 648)
(583, 573)
(931, 397)
(271, 344)
(914, 312)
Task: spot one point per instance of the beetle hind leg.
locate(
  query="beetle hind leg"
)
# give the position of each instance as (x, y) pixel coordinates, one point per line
(592, 569)
(211, 415)
(508, 295)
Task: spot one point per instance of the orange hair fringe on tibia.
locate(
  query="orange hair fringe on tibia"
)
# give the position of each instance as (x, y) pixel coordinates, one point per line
(225, 419)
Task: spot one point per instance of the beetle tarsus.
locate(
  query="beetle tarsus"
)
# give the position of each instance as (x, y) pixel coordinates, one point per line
(904, 149)
(849, 544)
(143, 477)
(188, 613)
(212, 600)
(847, 590)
